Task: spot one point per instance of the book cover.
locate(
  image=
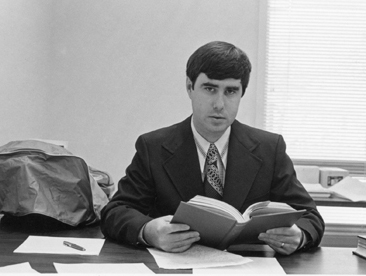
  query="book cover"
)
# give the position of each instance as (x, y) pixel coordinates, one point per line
(360, 252)
(219, 228)
(262, 223)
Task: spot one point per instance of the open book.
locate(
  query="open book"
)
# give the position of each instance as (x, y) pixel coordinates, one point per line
(221, 225)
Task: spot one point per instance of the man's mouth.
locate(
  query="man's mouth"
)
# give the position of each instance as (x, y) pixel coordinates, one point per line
(218, 117)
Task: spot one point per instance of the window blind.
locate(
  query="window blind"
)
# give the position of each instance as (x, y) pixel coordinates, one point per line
(315, 90)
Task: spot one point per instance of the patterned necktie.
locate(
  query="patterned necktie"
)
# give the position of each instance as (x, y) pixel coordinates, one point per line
(212, 183)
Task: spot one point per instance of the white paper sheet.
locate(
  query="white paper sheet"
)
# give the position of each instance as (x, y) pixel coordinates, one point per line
(103, 268)
(197, 256)
(54, 245)
(350, 188)
(21, 268)
(267, 266)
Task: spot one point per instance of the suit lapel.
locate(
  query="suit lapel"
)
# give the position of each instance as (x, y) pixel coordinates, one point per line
(182, 164)
(242, 167)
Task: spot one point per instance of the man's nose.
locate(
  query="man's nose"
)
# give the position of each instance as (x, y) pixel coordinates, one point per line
(218, 103)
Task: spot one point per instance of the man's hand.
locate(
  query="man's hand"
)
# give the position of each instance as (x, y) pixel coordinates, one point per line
(283, 240)
(174, 237)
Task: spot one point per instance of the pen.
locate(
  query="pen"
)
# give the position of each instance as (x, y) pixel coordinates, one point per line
(73, 245)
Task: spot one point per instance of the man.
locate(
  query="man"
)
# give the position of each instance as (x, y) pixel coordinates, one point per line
(170, 165)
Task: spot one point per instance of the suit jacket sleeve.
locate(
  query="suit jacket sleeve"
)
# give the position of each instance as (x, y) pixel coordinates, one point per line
(286, 187)
(164, 171)
(124, 216)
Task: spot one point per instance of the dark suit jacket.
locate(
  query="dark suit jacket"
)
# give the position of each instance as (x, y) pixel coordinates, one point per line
(165, 170)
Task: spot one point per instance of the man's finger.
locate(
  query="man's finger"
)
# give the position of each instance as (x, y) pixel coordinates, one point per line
(181, 245)
(178, 227)
(183, 237)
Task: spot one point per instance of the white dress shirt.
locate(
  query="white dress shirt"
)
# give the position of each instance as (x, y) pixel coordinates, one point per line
(221, 145)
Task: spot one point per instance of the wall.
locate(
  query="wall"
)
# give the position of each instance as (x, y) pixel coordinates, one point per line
(103, 72)
(24, 68)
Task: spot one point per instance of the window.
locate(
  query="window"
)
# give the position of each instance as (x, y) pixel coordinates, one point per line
(315, 87)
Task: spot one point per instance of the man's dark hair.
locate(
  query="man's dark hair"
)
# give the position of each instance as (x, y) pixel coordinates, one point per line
(219, 60)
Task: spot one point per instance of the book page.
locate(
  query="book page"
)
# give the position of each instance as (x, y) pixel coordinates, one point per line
(216, 206)
(265, 208)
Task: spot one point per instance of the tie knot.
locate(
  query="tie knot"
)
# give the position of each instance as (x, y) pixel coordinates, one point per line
(212, 154)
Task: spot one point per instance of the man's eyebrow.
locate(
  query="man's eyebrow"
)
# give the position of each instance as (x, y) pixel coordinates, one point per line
(209, 84)
(233, 87)
(215, 85)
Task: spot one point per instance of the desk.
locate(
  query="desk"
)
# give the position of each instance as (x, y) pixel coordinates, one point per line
(325, 260)
(337, 201)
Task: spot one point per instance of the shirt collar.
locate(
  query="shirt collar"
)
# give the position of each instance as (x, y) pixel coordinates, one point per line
(220, 143)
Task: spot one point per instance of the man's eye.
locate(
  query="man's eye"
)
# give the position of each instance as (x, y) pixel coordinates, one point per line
(210, 89)
(231, 92)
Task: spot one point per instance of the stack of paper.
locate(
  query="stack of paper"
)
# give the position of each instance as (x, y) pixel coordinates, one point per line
(55, 245)
(259, 265)
(198, 256)
(20, 269)
(350, 188)
(317, 190)
(103, 268)
(206, 260)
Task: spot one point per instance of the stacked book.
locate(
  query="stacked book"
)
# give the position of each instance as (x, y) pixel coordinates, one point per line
(361, 246)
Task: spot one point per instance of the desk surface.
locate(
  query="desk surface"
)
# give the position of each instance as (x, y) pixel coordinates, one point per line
(325, 260)
(337, 201)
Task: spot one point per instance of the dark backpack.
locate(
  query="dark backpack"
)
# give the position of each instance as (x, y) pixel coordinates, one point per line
(43, 179)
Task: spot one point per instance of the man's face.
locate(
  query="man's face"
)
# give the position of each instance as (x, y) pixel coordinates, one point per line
(215, 104)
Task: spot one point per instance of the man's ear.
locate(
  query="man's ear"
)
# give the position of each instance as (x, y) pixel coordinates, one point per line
(189, 86)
